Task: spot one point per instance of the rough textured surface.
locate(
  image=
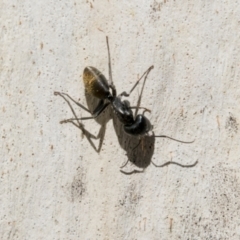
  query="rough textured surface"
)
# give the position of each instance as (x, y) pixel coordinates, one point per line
(54, 185)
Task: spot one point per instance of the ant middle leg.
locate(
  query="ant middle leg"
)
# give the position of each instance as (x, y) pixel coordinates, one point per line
(64, 96)
(98, 110)
(77, 103)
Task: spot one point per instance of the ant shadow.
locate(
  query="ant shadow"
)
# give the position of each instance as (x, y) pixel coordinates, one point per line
(139, 152)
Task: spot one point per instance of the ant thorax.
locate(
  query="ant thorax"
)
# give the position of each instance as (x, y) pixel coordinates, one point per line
(123, 111)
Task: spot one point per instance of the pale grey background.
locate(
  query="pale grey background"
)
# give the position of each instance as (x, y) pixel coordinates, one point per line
(53, 185)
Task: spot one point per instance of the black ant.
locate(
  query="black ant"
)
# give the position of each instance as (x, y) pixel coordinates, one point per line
(97, 86)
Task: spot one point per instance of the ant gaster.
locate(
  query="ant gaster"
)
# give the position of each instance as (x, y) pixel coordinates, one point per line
(97, 85)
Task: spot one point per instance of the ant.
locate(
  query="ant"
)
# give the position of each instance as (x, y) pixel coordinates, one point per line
(97, 86)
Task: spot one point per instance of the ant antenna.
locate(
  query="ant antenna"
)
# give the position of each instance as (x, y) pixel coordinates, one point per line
(109, 63)
(174, 139)
(176, 163)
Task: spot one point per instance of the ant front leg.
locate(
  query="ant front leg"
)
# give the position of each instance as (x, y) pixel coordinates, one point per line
(125, 94)
(145, 74)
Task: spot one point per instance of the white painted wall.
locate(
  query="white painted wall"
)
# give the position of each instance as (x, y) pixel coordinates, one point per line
(54, 185)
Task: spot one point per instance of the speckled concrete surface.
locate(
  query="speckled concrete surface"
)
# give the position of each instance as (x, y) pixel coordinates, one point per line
(54, 185)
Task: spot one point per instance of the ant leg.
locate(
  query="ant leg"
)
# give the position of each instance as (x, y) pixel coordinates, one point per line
(79, 125)
(62, 95)
(145, 109)
(77, 103)
(140, 96)
(145, 74)
(125, 94)
(97, 111)
(90, 136)
(181, 165)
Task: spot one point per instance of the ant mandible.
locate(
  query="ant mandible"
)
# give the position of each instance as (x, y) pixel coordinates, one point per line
(97, 85)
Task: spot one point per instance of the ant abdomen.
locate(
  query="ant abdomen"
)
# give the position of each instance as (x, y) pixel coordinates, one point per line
(95, 83)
